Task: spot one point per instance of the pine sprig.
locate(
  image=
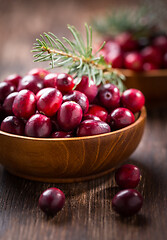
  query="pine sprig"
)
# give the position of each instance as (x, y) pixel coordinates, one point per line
(76, 56)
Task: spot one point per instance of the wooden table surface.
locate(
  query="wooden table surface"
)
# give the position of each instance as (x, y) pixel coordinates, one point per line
(87, 214)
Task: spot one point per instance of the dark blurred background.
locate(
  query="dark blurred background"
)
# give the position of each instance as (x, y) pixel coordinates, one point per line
(22, 21)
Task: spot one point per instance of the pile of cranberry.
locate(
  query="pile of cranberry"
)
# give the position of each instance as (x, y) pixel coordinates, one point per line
(44, 104)
(143, 54)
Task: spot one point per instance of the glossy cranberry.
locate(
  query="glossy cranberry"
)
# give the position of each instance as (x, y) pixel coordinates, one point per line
(30, 82)
(92, 127)
(133, 61)
(38, 72)
(126, 41)
(61, 134)
(12, 124)
(65, 82)
(14, 79)
(90, 116)
(8, 103)
(42, 91)
(89, 88)
(127, 202)
(98, 111)
(5, 89)
(127, 176)
(152, 55)
(149, 66)
(109, 96)
(49, 102)
(120, 118)
(69, 115)
(38, 126)
(133, 99)
(52, 201)
(115, 59)
(50, 80)
(79, 98)
(24, 104)
(111, 46)
(161, 43)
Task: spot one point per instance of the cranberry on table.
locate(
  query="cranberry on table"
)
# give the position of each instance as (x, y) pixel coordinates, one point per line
(42, 91)
(126, 41)
(69, 115)
(49, 102)
(133, 61)
(24, 104)
(92, 127)
(38, 126)
(12, 124)
(152, 55)
(8, 103)
(52, 201)
(120, 118)
(79, 98)
(133, 99)
(88, 87)
(38, 72)
(50, 80)
(109, 96)
(5, 89)
(61, 134)
(127, 176)
(90, 116)
(127, 202)
(64, 82)
(13, 79)
(98, 111)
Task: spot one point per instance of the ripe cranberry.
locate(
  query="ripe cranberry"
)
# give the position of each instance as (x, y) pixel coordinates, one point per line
(152, 55)
(24, 105)
(92, 127)
(38, 72)
(90, 116)
(161, 43)
(127, 176)
(149, 66)
(14, 79)
(51, 201)
(42, 91)
(89, 88)
(8, 103)
(30, 82)
(98, 111)
(127, 202)
(165, 60)
(114, 58)
(109, 96)
(5, 89)
(64, 82)
(69, 115)
(61, 134)
(49, 102)
(79, 98)
(50, 80)
(38, 126)
(126, 41)
(133, 99)
(111, 46)
(133, 61)
(12, 124)
(120, 118)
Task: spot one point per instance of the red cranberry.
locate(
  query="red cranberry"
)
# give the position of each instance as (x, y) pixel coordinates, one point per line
(14, 79)
(69, 115)
(24, 105)
(165, 60)
(51, 201)
(89, 88)
(92, 127)
(133, 99)
(64, 82)
(127, 202)
(111, 46)
(30, 82)
(161, 43)
(126, 41)
(79, 98)
(98, 111)
(127, 176)
(90, 116)
(5, 89)
(12, 124)
(42, 91)
(38, 72)
(152, 55)
(38, 126)
(50, 80)
(8, 103)
(133, 61)
(120, 118)
(149, 66)
(49, 102)
(115, 59)
(109, 96)
(61, 134)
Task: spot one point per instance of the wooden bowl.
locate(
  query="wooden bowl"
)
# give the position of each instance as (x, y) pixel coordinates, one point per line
(69, 159)
(153, 84)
